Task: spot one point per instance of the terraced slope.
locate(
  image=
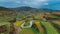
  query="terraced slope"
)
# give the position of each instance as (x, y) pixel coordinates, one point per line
(49, 28)
(18, 23)
(41, 29)
(27, 31)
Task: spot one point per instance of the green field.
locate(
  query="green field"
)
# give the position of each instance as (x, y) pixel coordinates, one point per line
(27, 31)
(49, 28)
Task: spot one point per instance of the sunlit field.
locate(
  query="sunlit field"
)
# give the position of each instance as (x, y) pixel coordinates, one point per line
(39, 23)
(29, 16)
(44, 25)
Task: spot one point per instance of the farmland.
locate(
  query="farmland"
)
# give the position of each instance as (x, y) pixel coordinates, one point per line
(42, 25)
(42, 22)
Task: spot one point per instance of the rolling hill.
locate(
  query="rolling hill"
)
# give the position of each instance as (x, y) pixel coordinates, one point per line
(20, 12)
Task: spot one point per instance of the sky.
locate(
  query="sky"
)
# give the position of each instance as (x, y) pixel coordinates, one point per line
(50, 4)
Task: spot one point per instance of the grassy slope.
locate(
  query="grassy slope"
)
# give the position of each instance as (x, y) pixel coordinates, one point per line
(27, 31)
(24, 30)
(40, 27)
(49, 28)
(18, 23)
(7, 24)
(57, 22)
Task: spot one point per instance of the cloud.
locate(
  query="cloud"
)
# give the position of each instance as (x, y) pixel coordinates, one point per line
(31, 3)
(34, 3)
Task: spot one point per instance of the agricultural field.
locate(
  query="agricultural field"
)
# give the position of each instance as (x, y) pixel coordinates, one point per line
(50, 24)
(29, 22)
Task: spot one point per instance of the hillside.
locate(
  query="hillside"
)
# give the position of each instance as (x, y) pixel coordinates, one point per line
(44, 21)
(22, 12)
(6, 14)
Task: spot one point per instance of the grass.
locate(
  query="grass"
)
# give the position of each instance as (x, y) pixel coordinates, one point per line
(57, 22)
(41, 30)
(27, 31)
(36, 31)
(24, 30)
(49, 28)
(27, 23)
(18, 23)
(7, 24)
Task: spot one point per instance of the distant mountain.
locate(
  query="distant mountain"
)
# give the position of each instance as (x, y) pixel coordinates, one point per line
(4, 9)
(27, 10)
